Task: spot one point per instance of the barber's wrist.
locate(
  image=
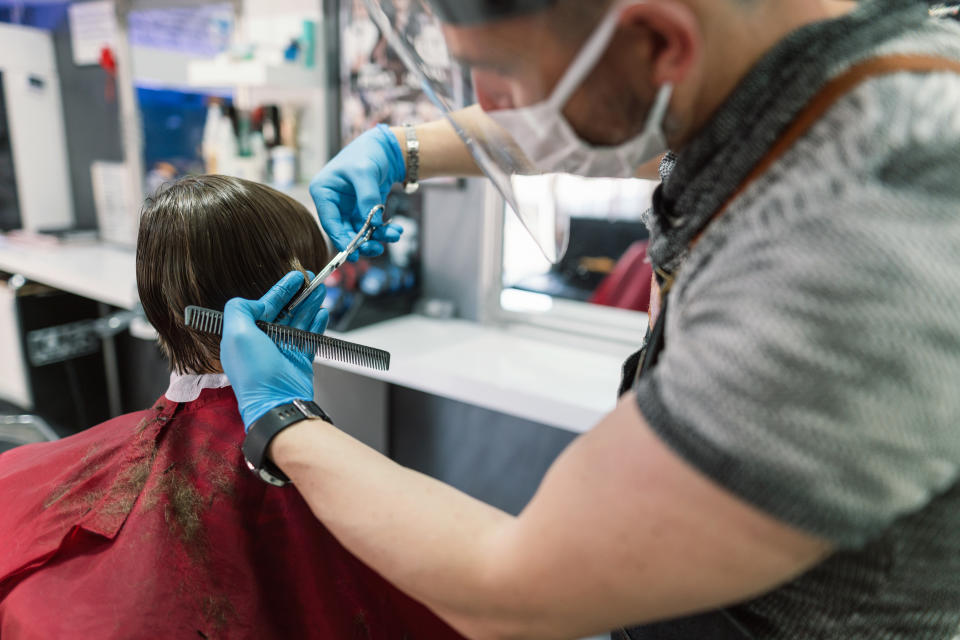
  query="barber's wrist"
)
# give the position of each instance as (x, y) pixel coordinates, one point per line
(286, 447)
(394, 150)
(265, 430)
(401, 139)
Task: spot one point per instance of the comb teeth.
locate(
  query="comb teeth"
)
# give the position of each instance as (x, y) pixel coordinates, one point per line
(310, 344)
(203, 320)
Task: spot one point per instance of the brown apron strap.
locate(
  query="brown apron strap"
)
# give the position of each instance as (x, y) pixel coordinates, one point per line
(831, 93)
(828, 96)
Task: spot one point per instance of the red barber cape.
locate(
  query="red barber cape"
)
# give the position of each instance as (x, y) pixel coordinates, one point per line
(150, 526)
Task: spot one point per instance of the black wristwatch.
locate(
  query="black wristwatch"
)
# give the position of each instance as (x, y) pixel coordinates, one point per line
(265, 428)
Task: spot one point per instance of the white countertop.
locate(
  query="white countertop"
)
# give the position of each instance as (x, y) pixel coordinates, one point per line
(541, 376)
(520, 372)
(98, 271)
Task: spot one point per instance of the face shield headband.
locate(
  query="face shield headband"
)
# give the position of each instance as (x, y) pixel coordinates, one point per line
(472, 12)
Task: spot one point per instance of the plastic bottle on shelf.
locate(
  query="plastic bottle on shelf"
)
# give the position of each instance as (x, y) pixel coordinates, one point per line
(209, 146)
(283, 161)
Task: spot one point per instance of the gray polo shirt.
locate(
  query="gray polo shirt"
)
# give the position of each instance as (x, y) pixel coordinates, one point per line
(812, 360)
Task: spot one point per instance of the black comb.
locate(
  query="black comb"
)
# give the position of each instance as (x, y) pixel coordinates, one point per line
(310, 344)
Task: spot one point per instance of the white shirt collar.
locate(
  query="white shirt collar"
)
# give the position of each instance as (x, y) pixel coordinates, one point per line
(186, 387)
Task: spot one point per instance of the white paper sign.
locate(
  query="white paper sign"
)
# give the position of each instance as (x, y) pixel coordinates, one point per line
(93, 26)
(117, 214)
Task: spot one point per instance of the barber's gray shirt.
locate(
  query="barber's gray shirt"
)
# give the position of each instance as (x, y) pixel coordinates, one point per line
(812, 364)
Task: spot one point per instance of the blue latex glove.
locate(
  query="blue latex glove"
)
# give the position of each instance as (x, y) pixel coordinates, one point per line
(262, 375)
(356, 180)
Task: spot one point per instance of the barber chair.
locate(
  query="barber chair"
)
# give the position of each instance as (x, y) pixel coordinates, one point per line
(593, 241)
(20, 429)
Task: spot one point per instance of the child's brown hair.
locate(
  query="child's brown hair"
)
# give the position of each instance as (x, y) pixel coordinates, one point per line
(206, 239)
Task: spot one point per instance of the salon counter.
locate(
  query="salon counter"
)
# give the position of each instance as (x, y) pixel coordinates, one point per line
(552, 379)
(94, 270)
(514, 370)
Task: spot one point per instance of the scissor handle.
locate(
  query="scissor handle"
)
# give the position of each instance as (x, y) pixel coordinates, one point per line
(362, 236)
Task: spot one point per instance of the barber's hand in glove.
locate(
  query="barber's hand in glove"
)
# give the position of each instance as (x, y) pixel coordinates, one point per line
(262, 375)
(355, 181)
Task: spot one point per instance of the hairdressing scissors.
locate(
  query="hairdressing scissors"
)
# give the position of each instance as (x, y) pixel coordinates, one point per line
(362, 236)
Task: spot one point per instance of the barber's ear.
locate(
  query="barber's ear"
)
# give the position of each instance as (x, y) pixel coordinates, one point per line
(675, 35)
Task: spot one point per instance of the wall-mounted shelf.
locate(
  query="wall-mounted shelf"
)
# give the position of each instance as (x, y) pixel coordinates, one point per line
(252, 73)
(163, 69)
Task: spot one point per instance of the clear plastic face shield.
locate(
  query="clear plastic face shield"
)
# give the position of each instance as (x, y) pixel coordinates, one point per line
(524, 63)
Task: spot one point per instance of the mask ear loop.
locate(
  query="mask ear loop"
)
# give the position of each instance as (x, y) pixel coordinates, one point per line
(586, 59)
(658, 112)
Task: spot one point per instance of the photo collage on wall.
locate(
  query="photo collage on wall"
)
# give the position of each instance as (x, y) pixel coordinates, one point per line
(376, 87)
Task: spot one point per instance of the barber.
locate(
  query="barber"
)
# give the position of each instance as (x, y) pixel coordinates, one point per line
(783, 460)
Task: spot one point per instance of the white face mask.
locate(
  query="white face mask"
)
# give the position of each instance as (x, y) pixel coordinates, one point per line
(550, 143)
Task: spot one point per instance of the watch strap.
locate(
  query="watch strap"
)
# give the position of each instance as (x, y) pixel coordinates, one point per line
(412, 152)
(265, 428)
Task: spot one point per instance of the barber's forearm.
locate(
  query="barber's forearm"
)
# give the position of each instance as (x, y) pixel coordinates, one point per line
(429, 539)
(442, 152)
